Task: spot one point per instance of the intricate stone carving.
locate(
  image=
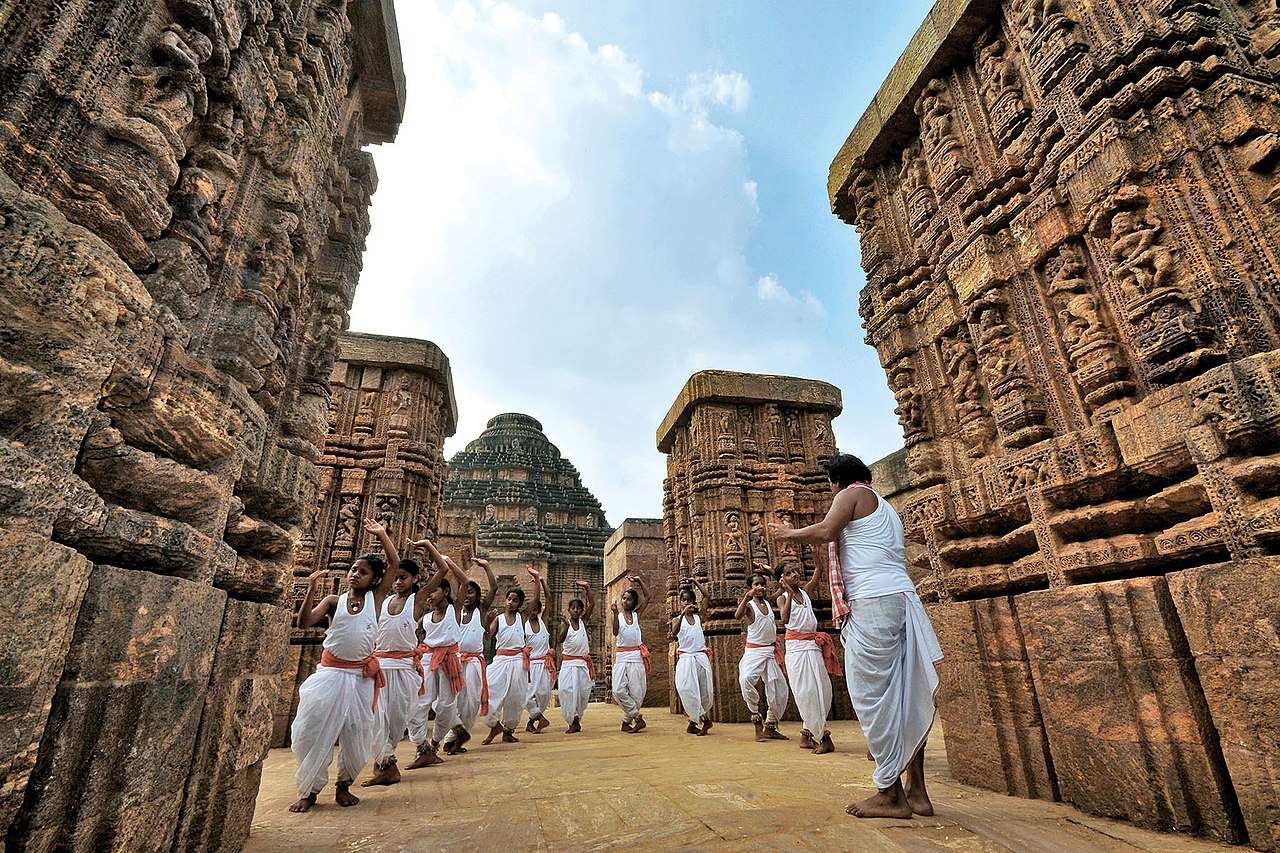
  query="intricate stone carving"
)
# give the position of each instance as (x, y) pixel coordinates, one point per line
(716, 506)
(165, 389)
(1083, 345)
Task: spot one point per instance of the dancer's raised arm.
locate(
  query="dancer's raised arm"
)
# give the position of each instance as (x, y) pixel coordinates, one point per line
(487, 601)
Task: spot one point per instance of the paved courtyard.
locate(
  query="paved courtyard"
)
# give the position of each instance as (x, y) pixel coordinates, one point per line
(665, 790)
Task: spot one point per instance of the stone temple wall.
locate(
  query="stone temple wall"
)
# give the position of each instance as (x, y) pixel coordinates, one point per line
(1069, 224)
(183, 206)
(637, 548)
(743, 450)
(391, 410)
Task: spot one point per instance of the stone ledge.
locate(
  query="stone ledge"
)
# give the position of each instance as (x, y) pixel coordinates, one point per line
(389, 351)
(724, 386)
(946, 34)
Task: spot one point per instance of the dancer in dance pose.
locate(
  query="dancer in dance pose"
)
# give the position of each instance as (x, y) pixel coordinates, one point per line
(693, 658)
(509, 672)
(542, 662)
(443, 672)
(473, 701)
(338, 701)
(762, 659)
(811, 658)
(631, 656)
(577, 669)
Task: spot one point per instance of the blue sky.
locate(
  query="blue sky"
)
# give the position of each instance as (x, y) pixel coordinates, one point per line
(589, 201)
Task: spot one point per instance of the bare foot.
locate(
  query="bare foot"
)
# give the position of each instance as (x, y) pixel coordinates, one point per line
(304, 804)
(692, 728)
(825, 745)
(920, 804)
(509, 737)
(494, 731)
(425, 758)
(639, 724)
(543, 723)
(871, 757)
(529, 727)
(807, 741)
(462, 736)
(574, 727)
(891, 802)
(387, 774)
(706, 724)
(344, 797)
(760, 735)
(626, 727)
(771, 732)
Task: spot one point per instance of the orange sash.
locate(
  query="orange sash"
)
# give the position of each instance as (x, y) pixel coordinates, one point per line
(370, 668)
(644, 655)
(591, 665)
(779, 654)
(484, 679)
(549, 663)
(706, 651)
(825, 643)
(416, 654)
(448, 657)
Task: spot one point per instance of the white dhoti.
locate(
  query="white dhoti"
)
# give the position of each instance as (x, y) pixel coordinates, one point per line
(439, 697)
(396, 704)
(889, 655)
(473, 684)
(508, 690)
(575, 689)
(693, 684)
(333, 705)
(538, 696)
(760, 665)
(810, 684)
(629, 684)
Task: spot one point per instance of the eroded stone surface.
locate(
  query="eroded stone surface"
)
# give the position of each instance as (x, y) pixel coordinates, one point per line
(183, 197)
(1066, 214)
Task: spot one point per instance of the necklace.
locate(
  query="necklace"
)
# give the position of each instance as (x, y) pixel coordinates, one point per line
(354, 604)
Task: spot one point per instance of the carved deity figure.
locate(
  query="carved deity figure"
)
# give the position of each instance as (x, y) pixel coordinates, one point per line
(733, 534)
(999, 71)
(774, 421)
(962, 365)
(347, 517)
(1041, 14)
(726, 423)
(1078, 309)
(531, 515)
(1143, 264)
(903, 383)
(914, 173)
(756, 537)
(937, 125)
(490, 513)
(195, 207)
(821, 432)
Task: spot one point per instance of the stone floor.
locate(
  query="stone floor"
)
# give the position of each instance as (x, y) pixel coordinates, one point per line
(664, 790)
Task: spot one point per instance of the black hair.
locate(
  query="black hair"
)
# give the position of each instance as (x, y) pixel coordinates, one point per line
(693, 596)
(845, 469)
(635, 595)
(519, 592)
(448, 590)
(537, 605)
(376, 563)
(761, 575)
(472, 585)
(577, 601)
(778, 571)
(411, 566)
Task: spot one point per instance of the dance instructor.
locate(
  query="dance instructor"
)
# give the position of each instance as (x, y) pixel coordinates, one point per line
(889, 646)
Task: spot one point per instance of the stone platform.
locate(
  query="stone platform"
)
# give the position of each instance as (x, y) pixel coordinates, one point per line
(664, 790)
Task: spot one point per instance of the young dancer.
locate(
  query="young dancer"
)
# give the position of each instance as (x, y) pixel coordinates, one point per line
(631, 656)
(762, 659)
(811, 658)
(577, 669)
(443, 675)
(542, 663)
(509, 672)
(474, 698)
(401, 661)
(338, 701)
(693, 658)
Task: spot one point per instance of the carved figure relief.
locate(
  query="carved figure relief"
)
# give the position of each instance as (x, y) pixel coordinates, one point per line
(942, 143)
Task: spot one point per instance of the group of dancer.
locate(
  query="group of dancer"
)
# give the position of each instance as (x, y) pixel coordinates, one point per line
(404, 654)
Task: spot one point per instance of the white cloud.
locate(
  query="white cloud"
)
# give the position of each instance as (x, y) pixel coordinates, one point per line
(574, 241)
